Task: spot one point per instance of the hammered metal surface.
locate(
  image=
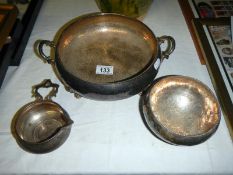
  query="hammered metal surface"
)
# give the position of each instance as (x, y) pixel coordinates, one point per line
(184, 106)
(109, 40)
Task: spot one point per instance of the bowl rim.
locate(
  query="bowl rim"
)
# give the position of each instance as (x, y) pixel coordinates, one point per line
(154, 119)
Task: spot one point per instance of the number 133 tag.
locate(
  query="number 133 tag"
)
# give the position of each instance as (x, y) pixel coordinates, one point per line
(104, 70)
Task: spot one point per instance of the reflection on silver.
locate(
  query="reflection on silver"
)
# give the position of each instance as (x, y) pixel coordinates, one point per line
(41, 126)
(182, 107)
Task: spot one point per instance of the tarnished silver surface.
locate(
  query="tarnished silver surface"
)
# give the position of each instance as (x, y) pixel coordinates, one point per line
(181, 108)
(43, 125)
(111, 40)
(93, 40)
(39, 121)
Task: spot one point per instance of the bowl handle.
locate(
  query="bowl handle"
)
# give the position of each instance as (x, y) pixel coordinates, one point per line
(171, 44)
(40, 51)
(45, 84)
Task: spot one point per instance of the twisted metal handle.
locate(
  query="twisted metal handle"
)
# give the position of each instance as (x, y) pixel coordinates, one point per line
(45, 84)
(41, 44)
(171, 44)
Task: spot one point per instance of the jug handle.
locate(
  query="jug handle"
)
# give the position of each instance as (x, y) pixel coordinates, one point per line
(45, 84)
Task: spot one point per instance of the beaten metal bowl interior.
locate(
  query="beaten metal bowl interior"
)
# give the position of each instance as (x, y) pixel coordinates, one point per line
(105, 56)
(181, 110)
(127, 45)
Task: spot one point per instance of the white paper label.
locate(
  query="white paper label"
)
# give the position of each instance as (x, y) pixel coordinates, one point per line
(104, 70)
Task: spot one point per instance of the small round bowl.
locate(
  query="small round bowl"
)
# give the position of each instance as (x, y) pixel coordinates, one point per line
(181, 110)
(41, 126)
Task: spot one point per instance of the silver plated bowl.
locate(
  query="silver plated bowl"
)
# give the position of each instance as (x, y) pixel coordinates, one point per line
(180, 110)
(41, 126)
